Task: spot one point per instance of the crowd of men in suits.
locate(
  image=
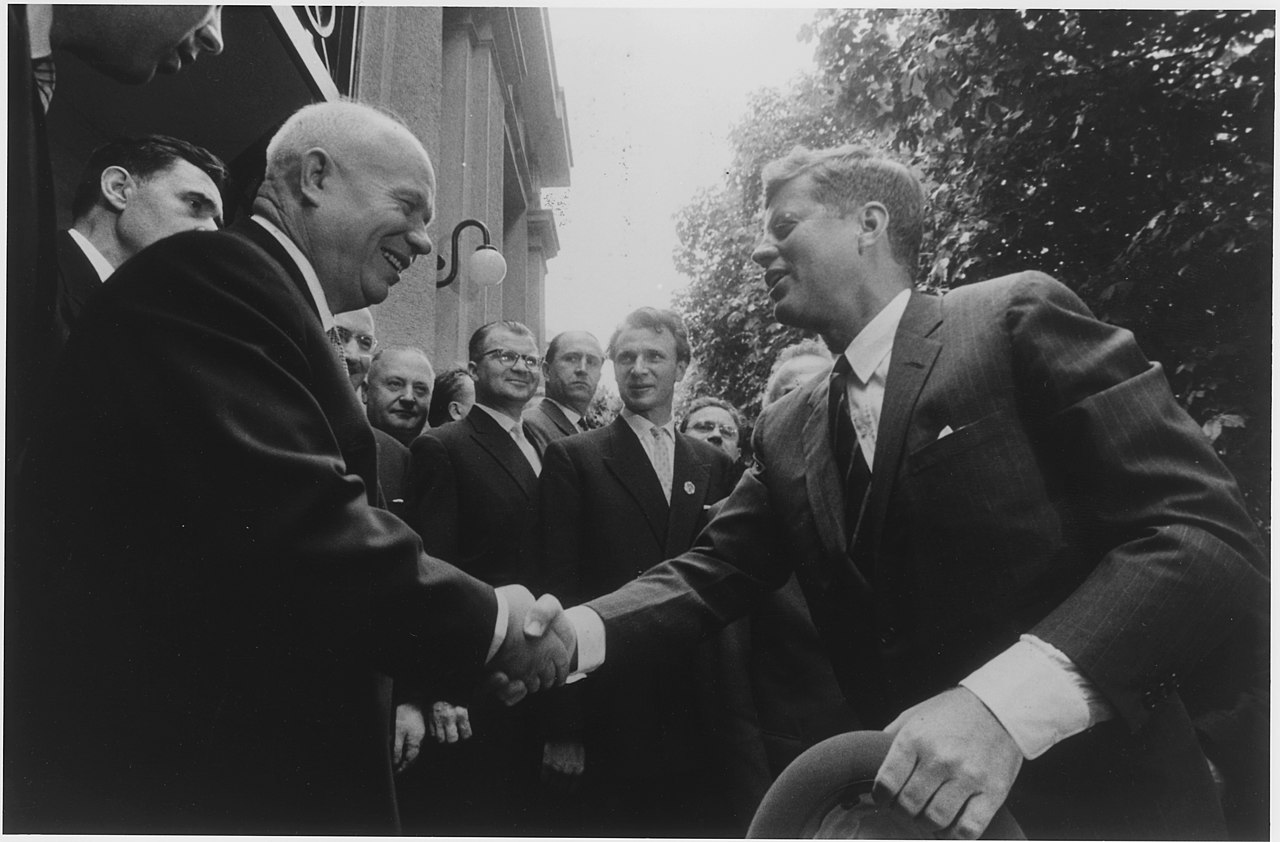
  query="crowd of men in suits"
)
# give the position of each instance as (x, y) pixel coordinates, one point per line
(273, 579)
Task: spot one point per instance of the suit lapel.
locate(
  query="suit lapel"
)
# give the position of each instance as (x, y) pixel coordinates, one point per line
(557, 416)
(626, 460)
(263, 239)
(911, 361)
(498, 443)
(692, 481)
(822, 480)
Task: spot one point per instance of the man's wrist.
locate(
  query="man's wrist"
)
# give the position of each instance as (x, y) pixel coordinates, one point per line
(588, 628)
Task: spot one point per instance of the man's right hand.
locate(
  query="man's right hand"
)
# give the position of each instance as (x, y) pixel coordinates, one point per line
(538, 649)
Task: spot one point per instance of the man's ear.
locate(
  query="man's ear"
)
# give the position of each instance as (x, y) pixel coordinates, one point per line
(115, 185)
(874, 219)
(314, 173)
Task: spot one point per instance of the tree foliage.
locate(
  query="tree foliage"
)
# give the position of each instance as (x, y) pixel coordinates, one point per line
(728, 314)
(1127, 153)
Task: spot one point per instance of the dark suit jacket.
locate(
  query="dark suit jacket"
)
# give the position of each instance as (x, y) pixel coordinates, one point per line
(31, 269)
(1073, 500)
(76, 280)
(545, 423)
(471, 497)
(393, 470)
(210, 648)
(603, 520)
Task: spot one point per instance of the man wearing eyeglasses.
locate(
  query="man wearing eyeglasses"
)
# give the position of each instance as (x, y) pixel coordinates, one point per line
(472, 490)
(353, 334)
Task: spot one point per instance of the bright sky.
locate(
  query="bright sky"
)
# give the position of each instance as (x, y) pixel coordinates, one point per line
(651, 96)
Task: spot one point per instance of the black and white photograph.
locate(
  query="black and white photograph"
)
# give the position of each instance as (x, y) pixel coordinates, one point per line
(633, 421)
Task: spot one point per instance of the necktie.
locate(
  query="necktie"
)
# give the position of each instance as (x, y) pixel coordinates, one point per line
(339, 350)
(854, 472)
(527, 448)
(663, 456)
(583, 425)
(45, 75)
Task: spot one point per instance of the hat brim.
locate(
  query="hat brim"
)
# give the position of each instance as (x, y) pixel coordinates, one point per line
(832, 775)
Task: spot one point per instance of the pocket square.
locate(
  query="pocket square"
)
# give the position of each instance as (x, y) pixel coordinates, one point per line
(945, 431)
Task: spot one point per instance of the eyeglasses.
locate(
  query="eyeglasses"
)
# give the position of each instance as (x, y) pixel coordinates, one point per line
(508, 358)
(364, 341)
(709, 427)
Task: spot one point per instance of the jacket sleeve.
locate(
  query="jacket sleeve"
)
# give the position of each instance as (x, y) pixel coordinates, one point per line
(1179, 558)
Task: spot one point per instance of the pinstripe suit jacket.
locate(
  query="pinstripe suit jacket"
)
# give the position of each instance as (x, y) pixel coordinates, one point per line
(1073, 500)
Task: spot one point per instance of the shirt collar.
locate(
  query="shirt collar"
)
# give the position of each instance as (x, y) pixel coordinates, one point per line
(505, 421)
(869, 348)
(304, 266)
(573, 416)
(642, 425)
(39, 25)
(100, 264)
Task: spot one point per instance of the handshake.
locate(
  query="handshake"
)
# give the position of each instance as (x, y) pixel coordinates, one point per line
(539, 648)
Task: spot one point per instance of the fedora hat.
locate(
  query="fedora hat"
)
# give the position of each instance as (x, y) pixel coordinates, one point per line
(826, 794)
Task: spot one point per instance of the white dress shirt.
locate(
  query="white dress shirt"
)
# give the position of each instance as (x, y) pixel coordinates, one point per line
(515, 429)
(326, 320)
(1032, 688)
(100, 264)
(643, 428)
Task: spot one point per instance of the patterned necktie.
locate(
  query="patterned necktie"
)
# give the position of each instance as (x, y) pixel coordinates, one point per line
(46, 76)
(663, 456)
(583, 425)
(339, 349)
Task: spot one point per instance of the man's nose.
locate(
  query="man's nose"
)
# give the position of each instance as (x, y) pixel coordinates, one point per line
(209, 36)
(419, 241)
(764, 253)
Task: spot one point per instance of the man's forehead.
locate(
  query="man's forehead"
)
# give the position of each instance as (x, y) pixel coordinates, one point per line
(580, 343)
(646, 337)
(355, 320)
(403, 364)
(504, 338)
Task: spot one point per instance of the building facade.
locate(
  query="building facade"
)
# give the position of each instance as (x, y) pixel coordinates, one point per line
(477, 85)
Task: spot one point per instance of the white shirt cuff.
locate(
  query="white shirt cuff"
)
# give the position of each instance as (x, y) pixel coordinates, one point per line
(589, 629)
(499, 627)
(1037, 694)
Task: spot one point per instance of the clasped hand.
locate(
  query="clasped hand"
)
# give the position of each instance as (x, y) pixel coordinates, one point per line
(537, 652)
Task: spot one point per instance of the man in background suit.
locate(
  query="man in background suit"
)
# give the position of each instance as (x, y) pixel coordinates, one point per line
(452, 396)
(128, 43)
(614, 502)
(993, 490)
(132, 192)
(472, 487)
(398, 393)
(572, 370)
(206, 641)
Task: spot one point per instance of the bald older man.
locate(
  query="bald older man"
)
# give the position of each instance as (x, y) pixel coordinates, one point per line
(207, 642)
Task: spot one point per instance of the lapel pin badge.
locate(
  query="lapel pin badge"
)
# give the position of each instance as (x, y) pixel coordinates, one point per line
(688, 487)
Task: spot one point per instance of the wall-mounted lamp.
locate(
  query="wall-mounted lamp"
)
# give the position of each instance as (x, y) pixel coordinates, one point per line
(488, 267)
